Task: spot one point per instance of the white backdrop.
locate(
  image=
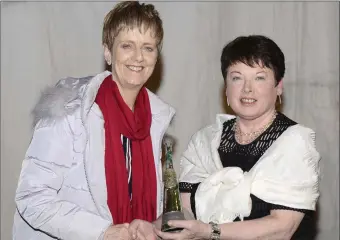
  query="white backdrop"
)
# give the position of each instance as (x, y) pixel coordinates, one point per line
(42, 42)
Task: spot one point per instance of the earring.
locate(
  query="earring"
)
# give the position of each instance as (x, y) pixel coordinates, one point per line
(228, 102)
(108, 61)
(280, 99)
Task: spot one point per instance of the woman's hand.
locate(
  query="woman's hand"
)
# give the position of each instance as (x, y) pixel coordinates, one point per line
(142, 230)
(192, 229)
(117, 232)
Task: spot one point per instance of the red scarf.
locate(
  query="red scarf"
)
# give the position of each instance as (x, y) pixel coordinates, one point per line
(119, 119)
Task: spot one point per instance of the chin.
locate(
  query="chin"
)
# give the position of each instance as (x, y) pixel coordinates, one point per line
(136, 82)
(248, 114)
(247, 117)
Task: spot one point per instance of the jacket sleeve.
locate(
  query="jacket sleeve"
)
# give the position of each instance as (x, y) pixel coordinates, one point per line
(48, 159)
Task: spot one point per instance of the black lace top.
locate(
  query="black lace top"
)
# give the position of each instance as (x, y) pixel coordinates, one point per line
(233, 154)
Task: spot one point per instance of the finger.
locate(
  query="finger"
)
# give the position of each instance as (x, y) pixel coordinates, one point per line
(140, 236)
(168, 236)
(151, 236)
(157, 232)
(123, 225)
(133, 227)
(180, 224)
(132, 235)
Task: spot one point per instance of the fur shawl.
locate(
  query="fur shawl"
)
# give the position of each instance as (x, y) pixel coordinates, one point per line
(63, 99)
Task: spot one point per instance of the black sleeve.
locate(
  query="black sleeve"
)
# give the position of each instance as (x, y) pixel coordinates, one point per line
(185, 187)
(281, 207)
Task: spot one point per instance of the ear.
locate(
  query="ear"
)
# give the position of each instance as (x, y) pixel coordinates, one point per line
(107, 55)
(279, 87)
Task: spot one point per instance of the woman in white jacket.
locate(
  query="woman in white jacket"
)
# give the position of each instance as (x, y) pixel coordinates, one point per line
(93, 164)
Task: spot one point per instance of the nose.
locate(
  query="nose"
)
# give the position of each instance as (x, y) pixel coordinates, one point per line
(247, 87)
(138, 56)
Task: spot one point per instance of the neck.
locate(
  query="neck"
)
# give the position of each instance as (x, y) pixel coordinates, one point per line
(129, 95)
(251, 125)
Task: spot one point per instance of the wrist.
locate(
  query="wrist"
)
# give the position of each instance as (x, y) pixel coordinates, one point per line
(157, 223)
(104, 232)
(207, 232)
(215, 233)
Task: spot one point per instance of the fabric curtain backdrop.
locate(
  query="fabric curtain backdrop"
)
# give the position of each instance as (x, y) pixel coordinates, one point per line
(42, 42)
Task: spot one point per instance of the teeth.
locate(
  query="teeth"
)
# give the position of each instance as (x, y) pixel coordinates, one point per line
(135, 68)
(248, 100)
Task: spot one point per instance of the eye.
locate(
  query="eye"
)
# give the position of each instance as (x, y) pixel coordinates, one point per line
(149, 49)
(126, 46)
(235, 78)
(260, 78)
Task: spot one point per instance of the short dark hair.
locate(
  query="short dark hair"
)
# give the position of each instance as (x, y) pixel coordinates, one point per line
(254, 50)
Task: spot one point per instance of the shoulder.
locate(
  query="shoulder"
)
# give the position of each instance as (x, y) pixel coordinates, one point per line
(58, 101)
(213, 130)
(298, 140)
(300, 133)
(158, 106)
(282, 119)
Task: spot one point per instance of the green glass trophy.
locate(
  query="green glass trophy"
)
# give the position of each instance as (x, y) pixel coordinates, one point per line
(172, 208)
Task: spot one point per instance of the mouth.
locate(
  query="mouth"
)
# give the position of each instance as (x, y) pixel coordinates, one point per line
(135, 68)
(248, 101)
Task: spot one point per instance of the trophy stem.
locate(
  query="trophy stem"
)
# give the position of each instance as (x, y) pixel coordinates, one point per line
(172, 208)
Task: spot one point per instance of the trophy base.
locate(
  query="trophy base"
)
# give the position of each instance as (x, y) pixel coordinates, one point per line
(171, 216)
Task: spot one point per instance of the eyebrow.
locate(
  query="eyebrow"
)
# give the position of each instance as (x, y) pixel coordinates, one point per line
(235, 72)
(241, 73)
(132, 42)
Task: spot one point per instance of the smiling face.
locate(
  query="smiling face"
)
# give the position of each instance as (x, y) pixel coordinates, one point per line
(133, 57)
(251, 91)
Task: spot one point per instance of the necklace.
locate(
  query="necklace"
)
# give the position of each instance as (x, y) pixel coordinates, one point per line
(251, 136)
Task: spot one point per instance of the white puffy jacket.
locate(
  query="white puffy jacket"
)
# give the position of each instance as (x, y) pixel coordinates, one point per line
(62, 189)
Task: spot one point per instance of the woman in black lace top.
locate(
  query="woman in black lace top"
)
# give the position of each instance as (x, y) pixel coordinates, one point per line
(253, 176)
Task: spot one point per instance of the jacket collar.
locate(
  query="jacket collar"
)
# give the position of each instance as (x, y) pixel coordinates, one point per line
(160, 110)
